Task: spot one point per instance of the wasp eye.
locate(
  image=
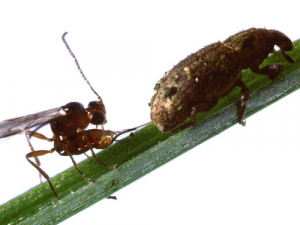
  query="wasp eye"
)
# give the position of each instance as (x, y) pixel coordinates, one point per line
(97, 118)
(170, 92)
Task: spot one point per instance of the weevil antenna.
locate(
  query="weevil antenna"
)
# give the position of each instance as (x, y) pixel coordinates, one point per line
(77, 64)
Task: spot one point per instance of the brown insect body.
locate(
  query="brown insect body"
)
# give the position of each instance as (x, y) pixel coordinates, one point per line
(254, 46)
(69, 134)
(77, 118)
(75, 144)
(68, 124)
(84, 141)
(197, 83)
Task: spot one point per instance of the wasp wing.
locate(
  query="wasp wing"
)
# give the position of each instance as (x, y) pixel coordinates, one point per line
(19, 124)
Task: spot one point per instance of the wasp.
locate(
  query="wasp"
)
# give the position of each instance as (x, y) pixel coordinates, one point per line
(197, 82)
(68, 124)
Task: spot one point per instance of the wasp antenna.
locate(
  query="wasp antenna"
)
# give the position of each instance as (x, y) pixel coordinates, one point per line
(77, 64)
(118, 133)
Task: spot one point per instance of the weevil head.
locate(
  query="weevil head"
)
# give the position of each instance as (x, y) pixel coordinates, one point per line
(281, 40)
(170, 103)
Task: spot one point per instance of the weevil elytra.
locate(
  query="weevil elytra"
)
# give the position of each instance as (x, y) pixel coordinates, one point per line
(196, 83)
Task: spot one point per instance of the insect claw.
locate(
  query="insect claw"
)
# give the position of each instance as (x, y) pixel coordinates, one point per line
(113, 166)
(89, 180)
(112, 197)
(243, 123)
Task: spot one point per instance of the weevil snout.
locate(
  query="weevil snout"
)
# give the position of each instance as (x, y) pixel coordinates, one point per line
(283, 42)
(286, 45)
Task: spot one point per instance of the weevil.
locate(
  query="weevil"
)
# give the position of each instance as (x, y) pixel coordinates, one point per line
(197, 82)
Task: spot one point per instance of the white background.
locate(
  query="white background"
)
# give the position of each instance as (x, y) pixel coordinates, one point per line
(246, 175)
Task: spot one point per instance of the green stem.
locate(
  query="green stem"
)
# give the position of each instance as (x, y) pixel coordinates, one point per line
(143, 152)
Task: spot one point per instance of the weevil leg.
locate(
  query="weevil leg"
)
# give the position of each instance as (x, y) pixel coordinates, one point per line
(45, 175)
(287, 57)
(107, 166)
(203, 107)
(191, 122)
(272, 71)
(76, 166)
(244, 98)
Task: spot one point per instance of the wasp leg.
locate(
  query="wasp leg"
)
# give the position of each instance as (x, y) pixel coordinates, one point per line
(244, 98)
(40, 136)
(45, 175)
(86, 155)
(95, 157)
(112, 197)
(36, 159)
(272, 71)
(76, 166)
